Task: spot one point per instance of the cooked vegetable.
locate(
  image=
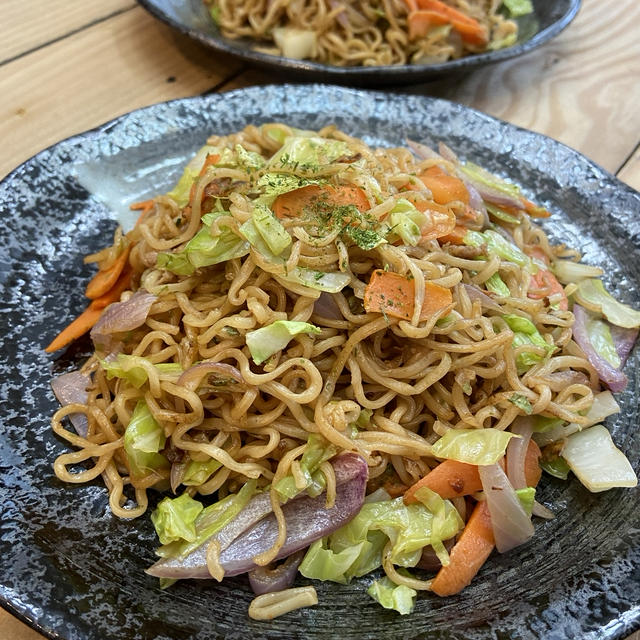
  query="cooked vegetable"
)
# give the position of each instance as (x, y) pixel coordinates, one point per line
(400, 598)
(592, 295)
(473, 446)
(264, 342)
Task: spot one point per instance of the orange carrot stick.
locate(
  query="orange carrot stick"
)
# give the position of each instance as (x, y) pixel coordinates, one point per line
(469, 29)
(444, 188)
(144, 207)
(468, 554)
(87, 319)
(293, 203)
(104, 280)
(456, 236)
(78, 327)
(452, 479)
(393, 294)
(421, 22)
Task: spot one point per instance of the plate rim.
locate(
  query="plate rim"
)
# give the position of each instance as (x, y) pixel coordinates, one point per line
(104, 128)
(401, 73)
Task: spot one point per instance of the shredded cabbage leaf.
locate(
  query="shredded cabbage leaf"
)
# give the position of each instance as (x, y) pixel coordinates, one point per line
(135, 369)
(400, 598)
(592, 295)
(473, 446)
(174, 519)
(143, 439)
(266, 341)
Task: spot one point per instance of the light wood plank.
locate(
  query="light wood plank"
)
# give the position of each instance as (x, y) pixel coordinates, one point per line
(13, 629)
(630, 174)
(583, 88)
(27, 24)
(126, 62)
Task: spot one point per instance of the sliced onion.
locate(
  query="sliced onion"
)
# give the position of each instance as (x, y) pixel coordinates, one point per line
(475, 293)
(326, 307)
(71, 388)
(623, 339)
(541, 511)
(559, 380)
(123, 316)
(477, 203)
(423, 151)
(615, 379)
(270, 579)
(255, 528)
(447, 153)
(511, 525)
(517, 451)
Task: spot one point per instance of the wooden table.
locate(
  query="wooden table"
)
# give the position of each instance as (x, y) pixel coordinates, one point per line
(69, 65)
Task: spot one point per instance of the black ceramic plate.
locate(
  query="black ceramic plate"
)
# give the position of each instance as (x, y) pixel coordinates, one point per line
(74, 572)
(191, 17)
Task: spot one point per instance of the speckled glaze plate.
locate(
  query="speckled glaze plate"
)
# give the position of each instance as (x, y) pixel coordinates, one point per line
(192, 18)
(72, 571)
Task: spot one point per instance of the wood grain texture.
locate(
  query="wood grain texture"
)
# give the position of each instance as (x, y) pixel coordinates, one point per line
(27, 24)
(630, 173)
(582, 88)
(13, 629)
(126, 62)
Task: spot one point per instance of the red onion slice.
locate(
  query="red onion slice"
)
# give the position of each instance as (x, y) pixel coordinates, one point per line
(423, 151)
(517, 452)
(615, 379)
(541, 511)
(251, 533)
(326, 307)
(71, 388)
(268, 580)
(623, 339)
(123, 316)
(511, 525)
(475, 293)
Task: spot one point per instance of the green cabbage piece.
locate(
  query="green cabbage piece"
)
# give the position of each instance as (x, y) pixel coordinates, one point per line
(556, 467)
(494, 210)
(266, 341)
(331, 282)
(356, 549)
(473, 446)
(592, 294)
(601, 340)
(143, 439)
(279, 134)
(525, 332)
(317, 451)
(308, 154)
(175, 519)
(270, 228)
(517, 8)
(477, 173)
(133, 369)
(496, 285)
(522, 402)
(400, 598)
(527, 497)
(198, 472)
(508, 41)
(209, 521)
(204, 249)
(406, 222)
(250, 161)
(500, 246)
(271, 185)
(180, 193)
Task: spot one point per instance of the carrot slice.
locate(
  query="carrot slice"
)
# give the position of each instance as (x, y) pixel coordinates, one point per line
(469, 29)
(456, 236)
(144, 207)
(293, 203)
(547, 284)
(104, 280)
(452, 479)
(393, 294)
(87, 319)
(421, 22)
(444, 187)
(468, 554)
(78, 327)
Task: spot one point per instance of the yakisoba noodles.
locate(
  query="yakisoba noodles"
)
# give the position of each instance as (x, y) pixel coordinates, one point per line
(303, 315)
(378, 33)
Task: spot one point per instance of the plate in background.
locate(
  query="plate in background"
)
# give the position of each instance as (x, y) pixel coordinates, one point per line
(72, 571)
(192, 18)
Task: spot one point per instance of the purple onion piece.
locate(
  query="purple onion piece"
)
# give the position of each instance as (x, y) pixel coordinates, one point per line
(326, 307)
(490, 194)
(559, 380)
(477, 203)
(614, 378)
(123, 316)
(269, 579)
(71, 388)
(476, 293)
(254, 530)
(623, 339)
(447, 153)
